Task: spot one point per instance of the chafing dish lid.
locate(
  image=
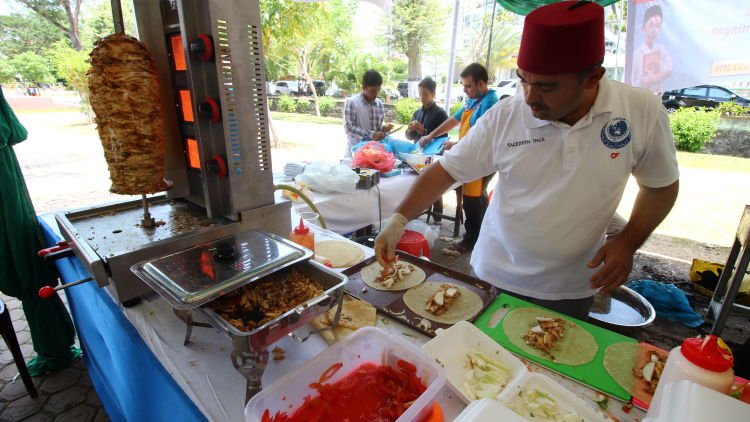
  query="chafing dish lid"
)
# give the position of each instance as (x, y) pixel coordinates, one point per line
(197, 275)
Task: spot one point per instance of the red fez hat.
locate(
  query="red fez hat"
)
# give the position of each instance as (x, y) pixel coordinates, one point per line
(563, 37)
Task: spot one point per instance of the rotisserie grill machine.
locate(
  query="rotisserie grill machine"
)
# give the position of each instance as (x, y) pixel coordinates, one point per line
(209, 60)
(203, 241)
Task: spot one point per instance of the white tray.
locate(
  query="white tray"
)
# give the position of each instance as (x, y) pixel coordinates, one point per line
(450, 347)
(566, 401)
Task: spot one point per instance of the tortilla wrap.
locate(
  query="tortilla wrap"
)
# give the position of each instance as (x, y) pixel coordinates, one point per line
(341, 254)
(463, 308)
(619, 361)
(577, 347)
(370, 273)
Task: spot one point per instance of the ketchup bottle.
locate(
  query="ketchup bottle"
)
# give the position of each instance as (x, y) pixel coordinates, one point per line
(707, 361)
(302, 235)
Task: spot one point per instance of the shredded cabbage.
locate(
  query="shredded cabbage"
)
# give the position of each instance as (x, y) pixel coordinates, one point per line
(486, 376)
(540, 406)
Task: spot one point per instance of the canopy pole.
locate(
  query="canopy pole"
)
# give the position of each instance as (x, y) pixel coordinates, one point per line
(452, 58)
(489, 43)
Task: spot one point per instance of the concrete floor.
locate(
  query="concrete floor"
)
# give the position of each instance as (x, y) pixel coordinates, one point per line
(65, 396)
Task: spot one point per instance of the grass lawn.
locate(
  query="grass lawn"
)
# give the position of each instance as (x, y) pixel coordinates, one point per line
(713, 162)
(306, 118)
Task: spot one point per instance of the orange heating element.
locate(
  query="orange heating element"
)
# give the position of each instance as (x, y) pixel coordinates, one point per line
(178, 53)
(193, 156)
(186, 104)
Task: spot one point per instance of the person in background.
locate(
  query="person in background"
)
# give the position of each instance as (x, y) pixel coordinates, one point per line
(564, 151)
(651, 61)
(479, 99)
(364, 113)
(424, 121)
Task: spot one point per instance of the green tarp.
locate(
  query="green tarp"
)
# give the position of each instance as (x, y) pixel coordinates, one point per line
(523, 7)
(22, 273)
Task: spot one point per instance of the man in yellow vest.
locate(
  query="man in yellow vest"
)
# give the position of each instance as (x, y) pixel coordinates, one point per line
(479, 99)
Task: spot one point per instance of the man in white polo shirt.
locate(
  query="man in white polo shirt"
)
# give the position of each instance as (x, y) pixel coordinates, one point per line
(564, 150)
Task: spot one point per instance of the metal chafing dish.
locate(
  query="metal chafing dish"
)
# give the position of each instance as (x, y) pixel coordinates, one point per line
(192, 278)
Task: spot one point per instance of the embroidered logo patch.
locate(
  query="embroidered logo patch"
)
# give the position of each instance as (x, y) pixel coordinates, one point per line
(616, 133)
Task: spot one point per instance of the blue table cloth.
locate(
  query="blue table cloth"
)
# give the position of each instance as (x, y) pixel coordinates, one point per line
(131, 383)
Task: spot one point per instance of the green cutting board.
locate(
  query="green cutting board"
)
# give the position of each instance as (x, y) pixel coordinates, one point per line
(592, 373)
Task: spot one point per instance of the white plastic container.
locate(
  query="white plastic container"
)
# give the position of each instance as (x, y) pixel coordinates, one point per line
(686, 401)
(566, 401)
(488, 410)
(417, 161)
(367, 344)
(705, 361)
(451, 346)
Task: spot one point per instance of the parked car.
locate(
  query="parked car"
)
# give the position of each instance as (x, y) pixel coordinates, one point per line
(335, 91)
(403, 89)
(287, 88)
(507, 88)
(395, 95)
(700, 96)
(320, 88)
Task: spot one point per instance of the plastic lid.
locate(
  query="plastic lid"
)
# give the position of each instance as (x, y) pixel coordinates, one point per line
(301, 229)
(710, 353)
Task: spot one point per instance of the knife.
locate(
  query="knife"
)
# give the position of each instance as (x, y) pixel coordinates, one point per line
(394, 130)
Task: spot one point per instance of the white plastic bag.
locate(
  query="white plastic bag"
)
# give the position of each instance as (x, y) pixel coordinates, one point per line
(329, 177)
(431, 232)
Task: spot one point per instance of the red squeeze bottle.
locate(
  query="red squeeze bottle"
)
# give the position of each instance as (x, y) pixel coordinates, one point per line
(302, 235)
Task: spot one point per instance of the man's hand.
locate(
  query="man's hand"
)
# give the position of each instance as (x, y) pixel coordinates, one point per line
(385, 243)
(617, 257)
(448, 145)
(417, 127)
(423, 141)
(378, 136)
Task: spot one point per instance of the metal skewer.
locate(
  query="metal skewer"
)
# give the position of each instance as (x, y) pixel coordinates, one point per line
(147, 220)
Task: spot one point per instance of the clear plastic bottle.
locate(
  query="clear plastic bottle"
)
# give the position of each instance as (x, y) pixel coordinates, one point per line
(302, 235)
(707, 361)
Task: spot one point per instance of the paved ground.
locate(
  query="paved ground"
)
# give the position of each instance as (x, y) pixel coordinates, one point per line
(65, 396)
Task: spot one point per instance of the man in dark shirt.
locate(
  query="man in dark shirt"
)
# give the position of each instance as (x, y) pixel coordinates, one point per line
(424, 121)
(430, 116)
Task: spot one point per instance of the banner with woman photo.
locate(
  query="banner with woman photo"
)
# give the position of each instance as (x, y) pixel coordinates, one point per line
(674, 44)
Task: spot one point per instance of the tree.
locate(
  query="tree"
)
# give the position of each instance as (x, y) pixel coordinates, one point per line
(20, 33)
(96, 21)
(506, 37)
(71, 65)
(7, 72)
(32, 67)
(302, 51)
(414, 30)
(63, 14)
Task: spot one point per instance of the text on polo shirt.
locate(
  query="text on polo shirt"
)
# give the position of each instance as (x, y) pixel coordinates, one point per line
(525, 142)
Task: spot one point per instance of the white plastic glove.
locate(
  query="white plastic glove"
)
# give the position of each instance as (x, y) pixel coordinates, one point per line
(385, 243)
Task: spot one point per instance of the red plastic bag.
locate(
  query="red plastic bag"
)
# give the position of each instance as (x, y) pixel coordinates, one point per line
(373, 155)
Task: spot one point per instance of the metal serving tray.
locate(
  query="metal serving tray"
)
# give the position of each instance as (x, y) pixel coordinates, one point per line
(294, 318)
(392, 302)
(197, 275)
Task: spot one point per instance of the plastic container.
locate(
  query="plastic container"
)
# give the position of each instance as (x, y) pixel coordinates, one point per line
(367, 344)
(705, 361)
(302, 235)
(418, 161)
(488, 410)
(705, 405)
(451, 346)
(566, 401)
(414, 243)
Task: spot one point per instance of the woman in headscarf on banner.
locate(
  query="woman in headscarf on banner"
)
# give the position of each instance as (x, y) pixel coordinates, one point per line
(22, 273)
